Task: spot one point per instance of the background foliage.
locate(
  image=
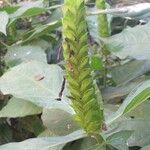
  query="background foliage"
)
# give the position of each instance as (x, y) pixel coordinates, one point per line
(32, 74)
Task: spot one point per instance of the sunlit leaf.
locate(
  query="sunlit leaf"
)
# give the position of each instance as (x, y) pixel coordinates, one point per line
(129, 43)
(43, 143)
(19, 108)
(4, 18)
(146, 147)
(119, 140)
(40, 30)
(139, 127)
(96, 63)
(37, 82)
(59, 122)
(125, 73)
(135, 98)
(29, 9)
(18, 54)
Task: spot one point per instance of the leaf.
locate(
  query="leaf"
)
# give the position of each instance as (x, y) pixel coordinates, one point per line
(41, 43)
(56, 15)
(146, 147)
(4, 18)
(96, 63)
(43, 143)
(138, 11)
(135, 98)
(29, 9)
(9, 9)
(40, 31)
(17, 54)
(37, 82)
(26, 73)
(129, 43)
(86, 143)
(19, 108)
(33, 124)
(6, 134)
(139, 127)
(119, 139)
(112, 94)
(59, 122)
(141, 112)
(129, 71)
(93, 26)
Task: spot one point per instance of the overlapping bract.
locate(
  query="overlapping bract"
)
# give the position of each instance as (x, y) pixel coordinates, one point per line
(78, 71)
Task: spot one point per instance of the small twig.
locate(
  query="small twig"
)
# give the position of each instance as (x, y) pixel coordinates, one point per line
(59, 53)
(107, 11)
(62, 88)
(55, 7)
(4, 44)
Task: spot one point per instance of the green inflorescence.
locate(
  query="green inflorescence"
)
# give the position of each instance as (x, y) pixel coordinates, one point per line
(103, 28)
(102, 19)
(78, 72)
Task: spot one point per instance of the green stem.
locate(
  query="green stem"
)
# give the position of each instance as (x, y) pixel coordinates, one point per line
(100, 140)
(4, 44)
(102, 19)
(103, 30)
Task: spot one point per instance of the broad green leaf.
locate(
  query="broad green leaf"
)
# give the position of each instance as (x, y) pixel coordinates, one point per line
(37, 82)
(33, 124)
(29, 9)
(6, 134)
(139, 127)
(46, 143)
(125, 73)
(9, 9)
(96, 63)
(40, 83)
(40, 31)
(129, 43)
(86, 143)
(135, 98)
(93, 26)
(46, 133)
(119, 140)
(4, 18)
(114, 94)
(41, 43)
(142, 111)
(138, 10)
(56, 15)
(58, 121)
(17, 54)
(19, 108)
(146, 147)
(35, 77)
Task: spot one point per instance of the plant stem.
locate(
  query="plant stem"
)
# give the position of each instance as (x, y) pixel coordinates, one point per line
(103, 31)
(4, 44)
(55, 7)
(100, 141)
